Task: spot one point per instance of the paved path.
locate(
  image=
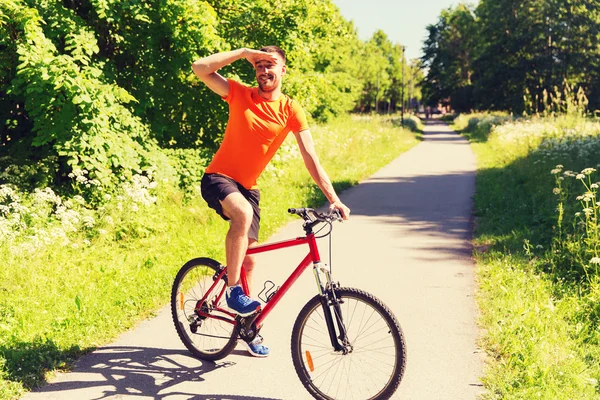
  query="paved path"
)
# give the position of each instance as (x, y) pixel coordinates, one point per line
(407, 242)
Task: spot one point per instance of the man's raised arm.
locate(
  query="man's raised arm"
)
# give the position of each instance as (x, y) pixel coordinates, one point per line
(206, 68)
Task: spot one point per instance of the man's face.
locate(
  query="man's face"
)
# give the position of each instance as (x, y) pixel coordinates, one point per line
(269, 73)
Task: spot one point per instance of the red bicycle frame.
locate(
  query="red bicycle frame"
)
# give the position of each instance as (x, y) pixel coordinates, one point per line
(312, 257)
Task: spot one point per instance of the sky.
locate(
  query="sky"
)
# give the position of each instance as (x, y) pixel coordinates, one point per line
(404, 21)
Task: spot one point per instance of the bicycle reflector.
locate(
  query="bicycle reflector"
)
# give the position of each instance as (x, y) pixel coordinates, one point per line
(181, 300)
(309, 360)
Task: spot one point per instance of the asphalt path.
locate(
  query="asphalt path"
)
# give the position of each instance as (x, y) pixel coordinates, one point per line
(407, 242)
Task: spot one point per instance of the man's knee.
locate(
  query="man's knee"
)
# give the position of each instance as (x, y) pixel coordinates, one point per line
(238, 210)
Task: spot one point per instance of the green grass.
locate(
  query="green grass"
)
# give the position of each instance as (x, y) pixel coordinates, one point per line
(60, 301)
(540, 312)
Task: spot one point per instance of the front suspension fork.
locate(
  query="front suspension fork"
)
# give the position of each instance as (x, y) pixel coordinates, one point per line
(329, 302)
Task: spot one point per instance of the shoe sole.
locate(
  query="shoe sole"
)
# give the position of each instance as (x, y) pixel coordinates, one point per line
(231, 310)
(247, 346)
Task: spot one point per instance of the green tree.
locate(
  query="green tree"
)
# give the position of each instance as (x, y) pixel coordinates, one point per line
(374, 73)
(534, 46)
(448, 57)
(76, 120)
(319, 43)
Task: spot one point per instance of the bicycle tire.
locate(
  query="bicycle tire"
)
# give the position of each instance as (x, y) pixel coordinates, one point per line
(213, 339)
(315, 359)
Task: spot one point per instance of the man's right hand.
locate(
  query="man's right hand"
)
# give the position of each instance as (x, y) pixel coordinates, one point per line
(253, 56)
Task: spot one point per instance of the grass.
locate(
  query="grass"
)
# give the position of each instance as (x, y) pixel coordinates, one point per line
(540, 311)
(58, 302)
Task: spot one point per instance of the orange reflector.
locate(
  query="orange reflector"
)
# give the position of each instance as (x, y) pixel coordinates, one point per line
(181, 300)
(311, 365)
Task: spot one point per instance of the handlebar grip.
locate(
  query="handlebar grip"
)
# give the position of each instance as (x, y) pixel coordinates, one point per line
(298, 211)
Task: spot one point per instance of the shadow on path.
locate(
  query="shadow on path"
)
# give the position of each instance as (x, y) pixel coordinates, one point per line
(433, 201)
(143, 371)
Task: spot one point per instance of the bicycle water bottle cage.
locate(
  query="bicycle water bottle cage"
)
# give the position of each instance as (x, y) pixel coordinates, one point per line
(268, 290)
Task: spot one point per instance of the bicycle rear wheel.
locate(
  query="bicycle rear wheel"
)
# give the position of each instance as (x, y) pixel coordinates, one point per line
(373, 363)
(207, 332)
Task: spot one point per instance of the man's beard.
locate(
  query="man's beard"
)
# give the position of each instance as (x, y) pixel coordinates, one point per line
(269, 85)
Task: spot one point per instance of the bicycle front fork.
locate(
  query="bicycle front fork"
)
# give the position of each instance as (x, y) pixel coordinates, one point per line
(331, 309)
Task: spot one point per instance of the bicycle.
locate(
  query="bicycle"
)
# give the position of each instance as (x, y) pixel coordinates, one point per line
(345, 342)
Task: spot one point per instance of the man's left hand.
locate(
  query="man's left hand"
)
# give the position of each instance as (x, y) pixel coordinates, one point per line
(341, 207)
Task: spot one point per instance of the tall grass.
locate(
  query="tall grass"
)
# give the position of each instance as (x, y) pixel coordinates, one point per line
(62, 294)
(538, 248)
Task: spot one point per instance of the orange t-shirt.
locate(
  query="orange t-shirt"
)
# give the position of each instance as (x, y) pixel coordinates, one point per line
(255, 130)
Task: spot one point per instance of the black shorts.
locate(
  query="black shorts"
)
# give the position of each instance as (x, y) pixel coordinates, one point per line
(215, 188)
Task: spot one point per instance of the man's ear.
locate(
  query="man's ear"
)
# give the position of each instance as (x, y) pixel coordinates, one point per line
(283, 70)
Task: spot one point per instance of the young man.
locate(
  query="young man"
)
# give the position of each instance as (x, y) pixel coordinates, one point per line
(259, 120)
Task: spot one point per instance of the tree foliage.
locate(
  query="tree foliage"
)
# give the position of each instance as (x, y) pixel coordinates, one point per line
(106, 86)
(448, 53)
(510, 50)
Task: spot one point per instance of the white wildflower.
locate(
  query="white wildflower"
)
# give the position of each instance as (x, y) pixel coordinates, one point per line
(87, 242)
(46, 196)
(587, 211)
(88, 221)
(595, 260)
(580, 176)
(79, 199)
(556, 190)
(588, 171)
(594, 186)
(588, 197)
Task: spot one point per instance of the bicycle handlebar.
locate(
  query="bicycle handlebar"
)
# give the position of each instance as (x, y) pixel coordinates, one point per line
(332, 215)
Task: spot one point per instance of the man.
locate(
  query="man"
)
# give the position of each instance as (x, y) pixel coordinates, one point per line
(259, 120)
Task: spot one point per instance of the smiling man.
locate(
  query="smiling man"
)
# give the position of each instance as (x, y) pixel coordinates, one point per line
(259, 120)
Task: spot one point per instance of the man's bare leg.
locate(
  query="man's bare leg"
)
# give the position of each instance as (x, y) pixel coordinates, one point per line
(240, 212)
(249, 264)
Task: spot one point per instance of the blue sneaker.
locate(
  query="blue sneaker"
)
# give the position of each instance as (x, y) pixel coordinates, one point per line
(241, 304)
(255, 347)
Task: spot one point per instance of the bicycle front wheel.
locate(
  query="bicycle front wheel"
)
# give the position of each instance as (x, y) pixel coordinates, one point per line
(374, 359)
(197, 298)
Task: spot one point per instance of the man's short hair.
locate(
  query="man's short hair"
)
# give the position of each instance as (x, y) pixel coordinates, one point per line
(275, 49)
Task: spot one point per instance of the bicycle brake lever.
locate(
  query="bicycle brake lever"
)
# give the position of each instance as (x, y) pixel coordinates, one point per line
(336, 214)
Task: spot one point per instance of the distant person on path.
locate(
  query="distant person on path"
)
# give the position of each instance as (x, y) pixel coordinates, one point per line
(259, 120)
(427, 112)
